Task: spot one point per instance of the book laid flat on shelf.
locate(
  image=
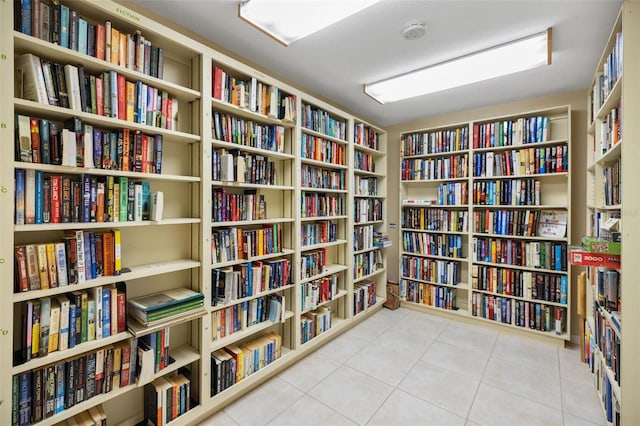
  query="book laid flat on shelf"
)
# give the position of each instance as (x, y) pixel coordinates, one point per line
(553, 223)
(154, 307)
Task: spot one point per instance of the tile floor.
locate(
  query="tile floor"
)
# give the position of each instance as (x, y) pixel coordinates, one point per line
(409, 368)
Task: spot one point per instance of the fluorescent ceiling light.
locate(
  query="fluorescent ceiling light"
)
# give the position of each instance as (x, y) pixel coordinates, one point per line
(290, 20)
(519, 55)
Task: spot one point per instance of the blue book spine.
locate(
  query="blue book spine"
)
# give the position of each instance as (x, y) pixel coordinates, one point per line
(24, 401)
(45, 143)
(26, 17)
(72, 326)
(60, 387)
(64, 26)
(39, 197)
(20, 182)
(92, 254)
(82, 36)
(558, 257)
(157, 153)
(563, 289)
(86, 198)
(106, 312)
(139, 102)
(97, 148)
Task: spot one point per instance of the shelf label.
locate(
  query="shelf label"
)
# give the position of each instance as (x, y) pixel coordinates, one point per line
(1, 260)
(3, 56)
(128, 14)
(4, 332)
(3, 125)
(3, 189)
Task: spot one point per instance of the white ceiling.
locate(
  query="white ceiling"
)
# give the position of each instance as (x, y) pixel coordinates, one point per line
(368, 46)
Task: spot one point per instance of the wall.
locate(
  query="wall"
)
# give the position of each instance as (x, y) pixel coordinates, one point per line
(578, 101)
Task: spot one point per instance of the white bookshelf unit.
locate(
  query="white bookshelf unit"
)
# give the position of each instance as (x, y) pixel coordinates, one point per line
(485, 220)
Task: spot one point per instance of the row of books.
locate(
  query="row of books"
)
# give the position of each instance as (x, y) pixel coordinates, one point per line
(94, 416)
(514, 192)
(367, 209)
(42, 198)
(364, 135)
(613, 183)
(230, 207)
(239, 317)
(452, 167)
(248, 279)
(320, 149)
(365, 185)
(157, 307)
(522, 162)
(537, 316)
(525, 284)
(318, 233)
(427, 294)
(533, 254)
(381, 240)
(433, 270)
(157, 344)
(314, 323)
(316, 204)
(427, 219)
(40, 393)
(363, 237)
(611, 73)
(365, 264)
(238, 167)
(603, 385)
(319, 120)
(364, 162)
(437, 142)
(448, 245)
(77, 144)
(231, 244)
(51, 324)
(232, 129)
(313, 263)
(608, 287)
(364, 296)
(606, 337)
(317, 292)
(522, 223)
(107, 94)
(253, 95)
(167, 398)
(494, 308)
(59, 24)
(319, 178)
(78, 258)
(606, 224)
(610, 130)
(453, 194)
(521, 131)
(234, 363)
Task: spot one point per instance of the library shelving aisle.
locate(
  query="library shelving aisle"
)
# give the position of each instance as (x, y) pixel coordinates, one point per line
(252, 251)
(434, 217)
(521, 194)
(370, 239)
(107, 207)
(323, 192)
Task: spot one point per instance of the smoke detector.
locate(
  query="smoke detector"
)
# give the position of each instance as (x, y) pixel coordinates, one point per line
(414, 30)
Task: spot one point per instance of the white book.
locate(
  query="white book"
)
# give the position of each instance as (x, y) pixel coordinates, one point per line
(107, 50)
(68, 148)
(157, 205)
(253, 101)
(173, 123)
(97, 297)
(226, 167)
(80, 260)
(138, 202)
(61, 264)
(489, 164)
(63, 334)
(240, 168)
(88, 146)
(30, 196)
(30, 79)
(73, 87)
(91, 319)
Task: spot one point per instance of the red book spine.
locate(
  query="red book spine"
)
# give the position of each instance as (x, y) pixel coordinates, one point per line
(99, 96)
(22, 276)
(122, 312)
(100, 41)
(56, 212)
(476, 135)
(217, 83)
(122, 97)
(35, 140)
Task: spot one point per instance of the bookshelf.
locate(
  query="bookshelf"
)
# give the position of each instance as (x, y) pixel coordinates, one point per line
(611, 101)
(370, 238)
(475, 202)
(323, 281)
(242, 177)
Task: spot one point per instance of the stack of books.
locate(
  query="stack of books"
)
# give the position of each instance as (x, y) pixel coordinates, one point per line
(159, 307)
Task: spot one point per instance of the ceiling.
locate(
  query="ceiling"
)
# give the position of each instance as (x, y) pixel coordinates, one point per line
(368, 46)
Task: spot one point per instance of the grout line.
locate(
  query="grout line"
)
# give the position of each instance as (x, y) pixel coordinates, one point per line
(475, 395)
(561, 387)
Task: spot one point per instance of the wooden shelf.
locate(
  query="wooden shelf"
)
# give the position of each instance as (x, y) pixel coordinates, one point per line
(340, 294)
(430, 231)
(534, 175)
(520, 237)
(248, 114)
(246, 299)
(323, 164)
(435, 256)
(524, 299)
(525, 145)
(522, 268)
(139, 330)
(368, 150)
(267, 153)
(327, 190)
(322, 135)
(328, 270)
(182, 355)
(318, 218)
(612, 154)
(435, 154)
(284, 252)
(322, 245)
(249, 331)
(459, 286)
(369, 276)
(251, 222)
(612, 100)
(103, 225)
(368, 173)
(432, 181)
(245, 185)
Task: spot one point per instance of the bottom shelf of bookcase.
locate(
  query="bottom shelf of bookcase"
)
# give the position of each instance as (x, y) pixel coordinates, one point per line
(550, 334)
(182, 355)
(428, 308)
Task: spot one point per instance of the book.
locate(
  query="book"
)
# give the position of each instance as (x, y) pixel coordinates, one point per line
(164, 299)
(29, 79)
